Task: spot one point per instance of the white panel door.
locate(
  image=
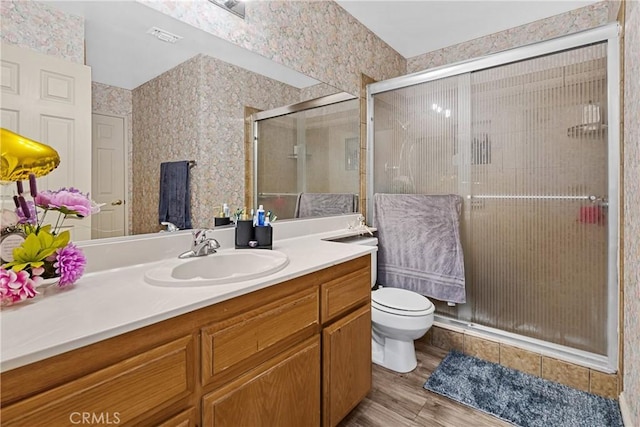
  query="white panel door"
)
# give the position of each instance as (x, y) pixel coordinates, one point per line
(48, 100)
(108, 176)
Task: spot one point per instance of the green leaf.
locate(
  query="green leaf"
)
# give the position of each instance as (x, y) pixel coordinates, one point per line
(62, 239)
(36, 248)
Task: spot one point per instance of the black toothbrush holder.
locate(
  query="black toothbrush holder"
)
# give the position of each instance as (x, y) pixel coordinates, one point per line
(264, 236)
(250, 237)
(244, 233)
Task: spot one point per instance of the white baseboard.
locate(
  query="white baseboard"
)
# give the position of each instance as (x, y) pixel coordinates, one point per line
(626, 412)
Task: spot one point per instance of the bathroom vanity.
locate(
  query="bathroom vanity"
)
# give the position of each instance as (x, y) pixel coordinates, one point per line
(294, 351)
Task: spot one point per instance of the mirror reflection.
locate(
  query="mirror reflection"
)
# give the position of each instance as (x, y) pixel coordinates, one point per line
(308, 161)
(154, 101)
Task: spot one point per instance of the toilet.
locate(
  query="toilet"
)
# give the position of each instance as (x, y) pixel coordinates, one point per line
(398, 317)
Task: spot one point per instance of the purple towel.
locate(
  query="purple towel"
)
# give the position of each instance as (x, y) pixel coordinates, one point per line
(325, 204)
(419, 244)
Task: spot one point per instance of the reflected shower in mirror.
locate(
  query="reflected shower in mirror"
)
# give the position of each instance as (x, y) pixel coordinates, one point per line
(308, 157)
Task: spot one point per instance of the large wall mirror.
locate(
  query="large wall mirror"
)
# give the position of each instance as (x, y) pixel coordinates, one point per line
(176, 93)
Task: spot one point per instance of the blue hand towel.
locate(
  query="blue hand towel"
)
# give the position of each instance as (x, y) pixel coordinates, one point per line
(175, 194)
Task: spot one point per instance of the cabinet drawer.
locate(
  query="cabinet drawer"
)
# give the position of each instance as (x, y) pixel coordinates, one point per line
(242, 342)
(117, 394)
(188, 418)
(342, 294)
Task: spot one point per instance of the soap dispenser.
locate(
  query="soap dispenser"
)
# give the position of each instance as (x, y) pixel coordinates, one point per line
(260, 213)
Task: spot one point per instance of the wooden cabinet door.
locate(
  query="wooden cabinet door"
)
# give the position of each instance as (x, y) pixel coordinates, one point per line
(346, 364)
(284, 391)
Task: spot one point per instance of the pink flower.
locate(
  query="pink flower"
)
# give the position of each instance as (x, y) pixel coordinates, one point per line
(16, 287)
(67, 201)
(70, 262)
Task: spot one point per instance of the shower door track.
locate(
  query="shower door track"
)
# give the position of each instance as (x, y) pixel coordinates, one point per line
(605, 34)
(508, 197)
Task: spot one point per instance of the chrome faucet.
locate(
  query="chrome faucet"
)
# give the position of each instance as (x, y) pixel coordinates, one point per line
(202, 245)
(170, 226)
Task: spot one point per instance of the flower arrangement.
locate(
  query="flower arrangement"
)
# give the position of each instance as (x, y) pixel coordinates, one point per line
(44, 251)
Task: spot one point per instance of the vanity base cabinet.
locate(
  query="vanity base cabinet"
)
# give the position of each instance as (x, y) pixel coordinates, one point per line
(292, 354)
(283, 392)
(346, 364)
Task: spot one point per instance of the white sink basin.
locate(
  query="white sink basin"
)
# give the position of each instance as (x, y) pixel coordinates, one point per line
(217, 269)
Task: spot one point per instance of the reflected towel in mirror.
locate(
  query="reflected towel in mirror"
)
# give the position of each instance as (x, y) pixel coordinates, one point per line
(175, 194)
(325, 204)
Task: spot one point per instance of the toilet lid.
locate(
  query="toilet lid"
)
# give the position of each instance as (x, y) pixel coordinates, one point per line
(395, 300)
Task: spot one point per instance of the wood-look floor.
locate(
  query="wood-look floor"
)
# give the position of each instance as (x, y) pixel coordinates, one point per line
(398, 400)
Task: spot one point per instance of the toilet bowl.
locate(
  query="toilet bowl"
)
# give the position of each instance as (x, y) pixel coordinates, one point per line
(398, 317)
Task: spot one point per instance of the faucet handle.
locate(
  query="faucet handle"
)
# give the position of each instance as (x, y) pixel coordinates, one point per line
(202, 234)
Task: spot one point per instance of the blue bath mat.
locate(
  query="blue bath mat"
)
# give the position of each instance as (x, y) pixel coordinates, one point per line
(519, 398)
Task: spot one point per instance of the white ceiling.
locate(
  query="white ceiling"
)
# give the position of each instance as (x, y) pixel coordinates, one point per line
(122, 54)
(416, 27)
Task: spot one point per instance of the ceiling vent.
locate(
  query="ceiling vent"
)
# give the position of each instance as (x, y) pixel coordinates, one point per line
(163, 35)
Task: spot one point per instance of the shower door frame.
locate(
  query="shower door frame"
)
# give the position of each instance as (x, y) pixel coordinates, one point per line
(611, 35)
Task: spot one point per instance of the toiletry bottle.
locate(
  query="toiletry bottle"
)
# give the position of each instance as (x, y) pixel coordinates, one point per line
(260, 216)
(225, 210)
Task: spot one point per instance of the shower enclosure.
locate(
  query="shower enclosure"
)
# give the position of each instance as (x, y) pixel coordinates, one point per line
(529, 138)
(310, 147)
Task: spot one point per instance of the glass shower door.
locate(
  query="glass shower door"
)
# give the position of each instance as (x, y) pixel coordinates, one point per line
(525, 145)
(537, 210)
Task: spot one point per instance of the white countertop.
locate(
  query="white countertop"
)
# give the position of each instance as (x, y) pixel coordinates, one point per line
(107, 303)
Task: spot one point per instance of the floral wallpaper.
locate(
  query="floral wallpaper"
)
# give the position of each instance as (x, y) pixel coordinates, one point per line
(196, 112)
(316, 38)
(116, 101)
(631, 210)
(545, 29)
(39, 27)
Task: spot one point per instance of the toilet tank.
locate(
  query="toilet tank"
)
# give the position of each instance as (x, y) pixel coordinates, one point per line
(367, 241)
